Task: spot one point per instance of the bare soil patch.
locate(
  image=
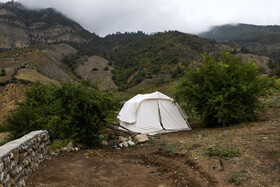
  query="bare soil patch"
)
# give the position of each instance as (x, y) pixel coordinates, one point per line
(97, 69)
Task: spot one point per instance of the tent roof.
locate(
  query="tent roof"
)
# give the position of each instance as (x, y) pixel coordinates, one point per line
(141, 97)
(128, 111)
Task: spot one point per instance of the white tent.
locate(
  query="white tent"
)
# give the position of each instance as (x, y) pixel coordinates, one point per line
(152, 114)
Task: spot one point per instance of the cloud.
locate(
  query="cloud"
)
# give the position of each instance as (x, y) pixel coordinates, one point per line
(192, 16)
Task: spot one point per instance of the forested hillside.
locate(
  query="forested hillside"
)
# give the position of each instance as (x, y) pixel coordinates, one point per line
(263, 40)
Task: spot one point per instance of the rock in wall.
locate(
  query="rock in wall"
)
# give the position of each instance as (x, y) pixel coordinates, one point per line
(20, 157)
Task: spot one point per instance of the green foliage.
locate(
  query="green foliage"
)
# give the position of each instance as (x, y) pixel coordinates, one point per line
(68, 111)
(223, 92)
(71, 60)
(106, 68)
(224, 153)
(94, 69)
(137, 56)
(3, 72)
(58, 144)
(238, 177)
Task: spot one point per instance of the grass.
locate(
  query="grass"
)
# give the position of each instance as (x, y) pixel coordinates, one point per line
(32, 75)
(237, 177)
(58, 144)
(224, 153)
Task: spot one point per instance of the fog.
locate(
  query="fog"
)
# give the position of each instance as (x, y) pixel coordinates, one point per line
(190, 16)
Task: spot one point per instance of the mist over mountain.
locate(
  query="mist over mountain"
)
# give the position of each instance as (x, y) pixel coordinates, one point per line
(21, 27)
(60, 49)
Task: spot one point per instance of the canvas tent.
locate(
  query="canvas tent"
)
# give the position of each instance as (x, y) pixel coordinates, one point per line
(152, 114)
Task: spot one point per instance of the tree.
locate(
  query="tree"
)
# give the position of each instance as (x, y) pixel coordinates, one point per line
(223, 92)
(68, 111)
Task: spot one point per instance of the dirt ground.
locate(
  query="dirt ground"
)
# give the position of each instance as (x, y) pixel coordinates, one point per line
(176, 159)
(144, 166)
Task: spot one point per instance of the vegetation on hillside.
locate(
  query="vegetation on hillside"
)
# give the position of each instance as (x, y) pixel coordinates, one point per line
(223, 92)
(137, 56)
(263, 40)
(68, 111)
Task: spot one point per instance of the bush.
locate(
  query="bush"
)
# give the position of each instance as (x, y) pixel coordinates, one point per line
(225, 153)
(68, 111)
(3, 72)
(224, 92)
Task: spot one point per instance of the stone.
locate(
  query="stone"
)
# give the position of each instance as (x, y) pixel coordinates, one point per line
(120, 145)
(12, 181)
(70, 145)
(16, 154)
(125, 144)
(104, 142)
(226, 132)
(131, 143)
(140, 138)
(1, 166)
(11, 155)
(7, 161)
(121, 138)
(13, 164)
(7, 178)
(2, 176)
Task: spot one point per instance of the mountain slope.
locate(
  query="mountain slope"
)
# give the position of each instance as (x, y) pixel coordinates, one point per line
(21, 27)
(137, 56)
(263, 40)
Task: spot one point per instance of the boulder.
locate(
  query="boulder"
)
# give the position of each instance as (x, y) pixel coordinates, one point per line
(140, 138)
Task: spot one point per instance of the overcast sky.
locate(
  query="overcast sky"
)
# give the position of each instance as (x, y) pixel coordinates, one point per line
(190, 16)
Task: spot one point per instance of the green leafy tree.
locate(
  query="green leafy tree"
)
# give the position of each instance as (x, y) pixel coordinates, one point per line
(71, 110)
(223, 92)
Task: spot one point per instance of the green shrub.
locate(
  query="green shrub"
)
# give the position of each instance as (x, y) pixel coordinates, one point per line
(68, 111)
(223, 92)
(3, 72)
(94, 69)
(238, 177)
(225, 153)
(106, 68)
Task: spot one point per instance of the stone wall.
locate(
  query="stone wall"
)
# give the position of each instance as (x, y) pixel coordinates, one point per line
(20, 157)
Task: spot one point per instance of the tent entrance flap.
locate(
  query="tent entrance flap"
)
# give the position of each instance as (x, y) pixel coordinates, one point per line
(159, 116)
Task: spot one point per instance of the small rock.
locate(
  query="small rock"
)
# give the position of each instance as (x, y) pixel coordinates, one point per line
(121, 138)
(226, 132)
(120, 145)
(140, 138)
(131, 143)
(77, 148)
(265, 138)
(104, 142)
(70, 145)
(125, 144)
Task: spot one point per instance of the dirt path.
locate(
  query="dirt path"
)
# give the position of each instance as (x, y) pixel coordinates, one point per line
(120, 168)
